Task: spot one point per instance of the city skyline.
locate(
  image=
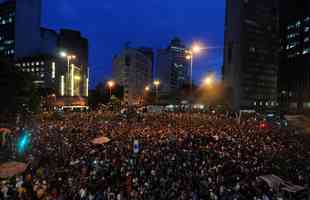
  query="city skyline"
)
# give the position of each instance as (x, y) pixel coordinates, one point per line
(110, 24)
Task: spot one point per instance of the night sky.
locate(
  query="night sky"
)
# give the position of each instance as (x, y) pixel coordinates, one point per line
(108, 24)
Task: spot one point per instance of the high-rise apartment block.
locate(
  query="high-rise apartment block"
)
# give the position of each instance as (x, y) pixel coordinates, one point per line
(132, 69)
(251, 53)
(172, 67)
(294, 71)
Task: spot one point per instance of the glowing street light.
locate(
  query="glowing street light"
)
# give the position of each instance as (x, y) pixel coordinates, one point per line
(156, 83)
(111, 85)
(196, 49)
(209, 80)
(63, 54)
(147, 88)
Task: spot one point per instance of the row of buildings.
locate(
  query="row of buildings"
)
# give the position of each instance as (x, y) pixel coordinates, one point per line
(136, 69)
(267, 54)
(58, 60)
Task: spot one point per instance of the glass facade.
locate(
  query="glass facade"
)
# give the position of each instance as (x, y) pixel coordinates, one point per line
(7, 29)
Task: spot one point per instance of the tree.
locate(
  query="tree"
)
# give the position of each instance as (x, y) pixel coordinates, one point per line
(101, 95)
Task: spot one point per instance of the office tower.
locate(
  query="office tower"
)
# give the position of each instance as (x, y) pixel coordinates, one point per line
(148, 52)
(20, 23)
(172, 67)
(71, 42)
(132, 69)
(36, 50)
(251, 53)
(294, 71)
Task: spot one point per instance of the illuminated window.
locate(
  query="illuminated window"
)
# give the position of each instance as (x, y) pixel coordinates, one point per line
(307, 29)
(42, 75)
(42, 63)
(37, 63)
(306, 39)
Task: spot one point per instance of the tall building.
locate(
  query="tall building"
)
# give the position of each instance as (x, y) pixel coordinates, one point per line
(20, 22)
(172, 67)
(132, 69)
(294, 71)
(36, 49)
(251, 53)
(72, 42)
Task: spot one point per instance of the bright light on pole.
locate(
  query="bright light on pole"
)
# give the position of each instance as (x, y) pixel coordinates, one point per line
(209, 80)
(111, 85)
(156, 83)
(63, 54)
(147, 88)
(196, 49)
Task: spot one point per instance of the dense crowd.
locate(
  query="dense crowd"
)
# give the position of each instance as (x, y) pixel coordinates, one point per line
(181, 156)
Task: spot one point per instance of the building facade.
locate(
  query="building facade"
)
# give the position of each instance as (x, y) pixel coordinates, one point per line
(172, 67)
(7, 29)
(45, 69)
(251, 53)
(20, 23)
(294, 71)
(132, 69)
(36, 50)
(72, 42)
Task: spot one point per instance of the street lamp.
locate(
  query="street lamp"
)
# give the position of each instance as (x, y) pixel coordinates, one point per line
(196, 49)
(69, 57)
(209, 80)
(111, 85)
(156, 83)
(147, 88)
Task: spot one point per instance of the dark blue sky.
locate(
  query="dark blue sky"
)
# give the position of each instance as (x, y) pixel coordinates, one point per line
(108, 24)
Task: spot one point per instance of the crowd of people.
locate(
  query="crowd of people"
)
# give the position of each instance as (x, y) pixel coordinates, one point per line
(180, 156)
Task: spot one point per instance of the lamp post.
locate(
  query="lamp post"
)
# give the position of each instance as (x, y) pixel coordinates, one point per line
(156, 83)
(69, 57)
(196, 49)
(209, 80)
(111, 85)
(147, 89)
